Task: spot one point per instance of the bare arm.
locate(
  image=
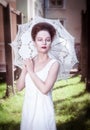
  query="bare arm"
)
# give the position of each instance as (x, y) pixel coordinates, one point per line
(21, 81)
(44, 87)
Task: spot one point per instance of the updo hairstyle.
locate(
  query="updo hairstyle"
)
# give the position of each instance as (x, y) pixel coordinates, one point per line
(43, 26)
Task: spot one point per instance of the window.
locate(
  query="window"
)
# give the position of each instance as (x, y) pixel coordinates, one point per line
(56, 3)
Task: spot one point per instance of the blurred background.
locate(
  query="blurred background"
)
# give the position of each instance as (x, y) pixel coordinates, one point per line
(71, 97)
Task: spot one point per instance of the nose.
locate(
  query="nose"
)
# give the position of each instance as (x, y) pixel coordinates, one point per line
(44, 42)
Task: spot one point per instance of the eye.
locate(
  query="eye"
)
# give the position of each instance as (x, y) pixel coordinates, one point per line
(48, 40)
(39, 39)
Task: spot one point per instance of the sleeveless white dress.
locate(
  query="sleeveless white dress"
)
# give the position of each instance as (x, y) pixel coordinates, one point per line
(38, 110)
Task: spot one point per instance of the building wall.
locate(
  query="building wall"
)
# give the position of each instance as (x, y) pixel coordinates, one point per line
(12, 3)
(21, 5)
(2, 50)
(39, 8)
(71, 14)
(30, 8)
(2, 45)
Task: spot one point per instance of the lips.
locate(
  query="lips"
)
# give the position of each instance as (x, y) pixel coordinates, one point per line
(44, 47)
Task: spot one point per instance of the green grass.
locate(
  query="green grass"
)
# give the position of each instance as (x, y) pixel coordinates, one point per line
(72, 105)
(10, 110)
(71, 102)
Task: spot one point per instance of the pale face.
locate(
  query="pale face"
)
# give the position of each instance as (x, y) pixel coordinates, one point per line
(43, 41)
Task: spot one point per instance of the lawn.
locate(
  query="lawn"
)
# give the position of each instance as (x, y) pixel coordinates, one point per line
(71, 102)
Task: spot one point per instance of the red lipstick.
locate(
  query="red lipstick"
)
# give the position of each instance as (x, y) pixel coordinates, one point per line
(44, 47)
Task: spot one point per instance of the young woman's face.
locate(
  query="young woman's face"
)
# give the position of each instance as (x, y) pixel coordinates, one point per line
(43, 41)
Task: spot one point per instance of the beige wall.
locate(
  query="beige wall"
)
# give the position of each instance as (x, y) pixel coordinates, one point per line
(39, 7)
(21, 5)
(34, 8)
(30, 8)
(71, 14)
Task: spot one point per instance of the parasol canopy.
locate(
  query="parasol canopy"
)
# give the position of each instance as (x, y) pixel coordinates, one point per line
(62, 47)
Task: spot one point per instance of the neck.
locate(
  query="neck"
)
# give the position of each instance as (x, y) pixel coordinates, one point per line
(42, 57)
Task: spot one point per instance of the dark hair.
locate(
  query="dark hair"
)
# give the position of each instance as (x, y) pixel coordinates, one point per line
(43, 26)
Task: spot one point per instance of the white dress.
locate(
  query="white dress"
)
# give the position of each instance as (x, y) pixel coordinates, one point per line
(38, 110)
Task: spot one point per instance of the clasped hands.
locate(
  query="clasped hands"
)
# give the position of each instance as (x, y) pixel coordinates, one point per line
(28, 65)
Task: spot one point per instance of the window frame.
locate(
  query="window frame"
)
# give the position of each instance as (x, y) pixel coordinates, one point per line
(56, 5)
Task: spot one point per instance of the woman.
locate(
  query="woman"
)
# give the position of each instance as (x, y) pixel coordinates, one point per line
(38, 77)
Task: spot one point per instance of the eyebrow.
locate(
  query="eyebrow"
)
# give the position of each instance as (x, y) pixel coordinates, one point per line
(46, 37)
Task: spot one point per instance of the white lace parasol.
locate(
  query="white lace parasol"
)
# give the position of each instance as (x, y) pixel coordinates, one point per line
(62, 47)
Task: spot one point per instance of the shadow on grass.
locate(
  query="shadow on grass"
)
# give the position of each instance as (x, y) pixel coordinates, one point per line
(82, 122)
(63, 86)
(73, 97)
(10, 126)
(78, 124)
(72, 125)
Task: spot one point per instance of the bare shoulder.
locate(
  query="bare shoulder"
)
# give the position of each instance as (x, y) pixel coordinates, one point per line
(56, 63)
(55, 66)
(53, 72)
